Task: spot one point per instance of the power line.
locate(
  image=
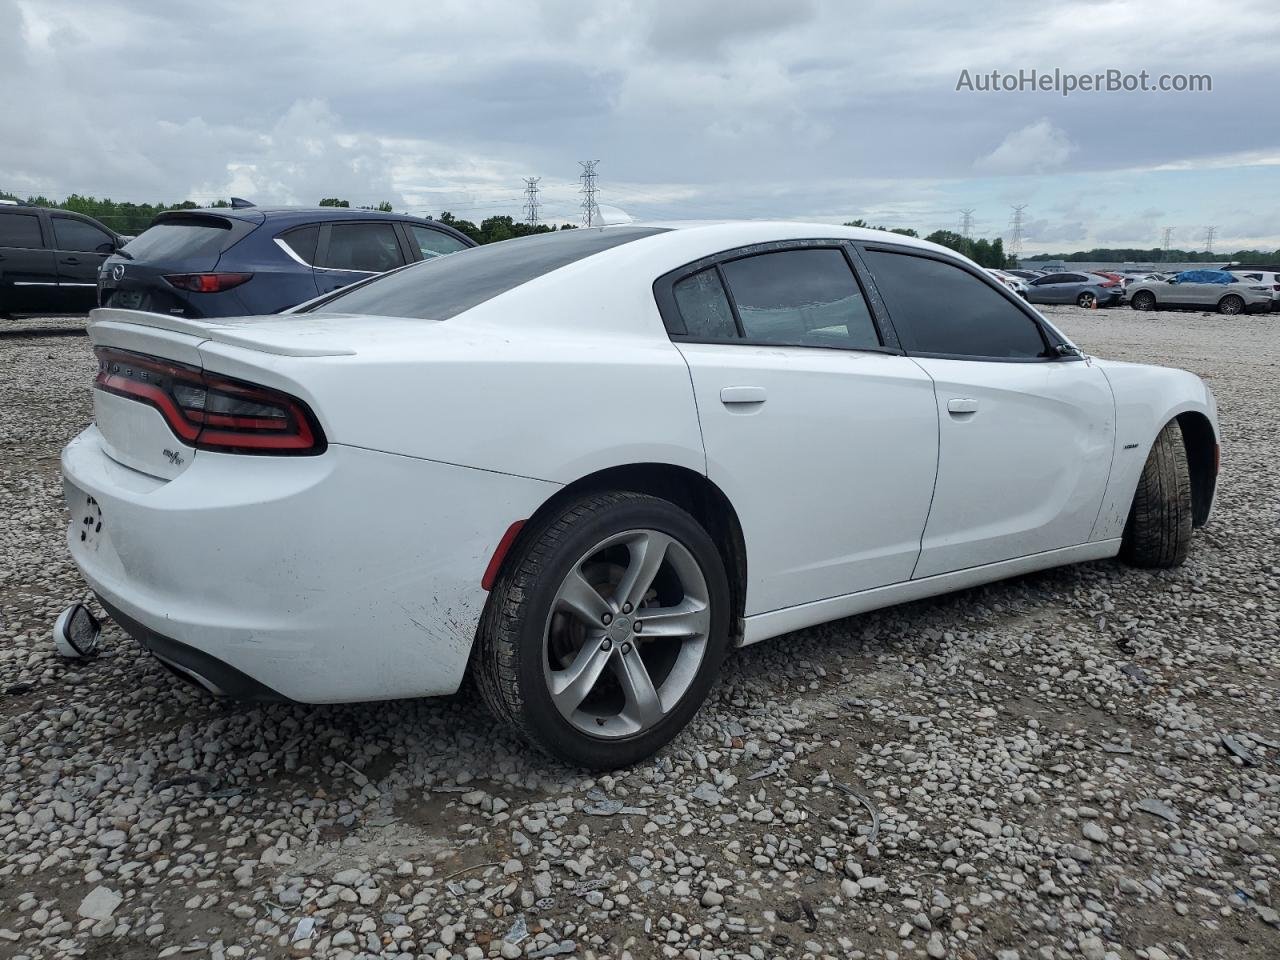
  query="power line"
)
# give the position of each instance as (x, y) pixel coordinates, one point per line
(1208, 238)
(531, 204)
(590, 209)
(1016, 222)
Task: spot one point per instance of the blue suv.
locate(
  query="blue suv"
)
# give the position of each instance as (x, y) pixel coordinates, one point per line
(242, 260)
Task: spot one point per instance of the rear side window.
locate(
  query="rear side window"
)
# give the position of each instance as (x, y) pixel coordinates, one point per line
(802, 298)
(704, 307)
(444, 287)
(938, 308)
(302, 241)
(72, 234)
(366, 247)
(180, 240)
(20, 230)
(434, 243)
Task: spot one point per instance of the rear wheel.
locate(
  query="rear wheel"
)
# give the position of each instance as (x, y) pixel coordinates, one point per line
(1087, 300)
(1158, 532)
(605, 630)
(1144, 300)
(1231, 305)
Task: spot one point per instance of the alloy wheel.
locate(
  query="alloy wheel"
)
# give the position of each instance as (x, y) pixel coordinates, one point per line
(626, 634)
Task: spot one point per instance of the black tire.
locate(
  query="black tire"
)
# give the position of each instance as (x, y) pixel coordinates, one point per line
(1231, 305)
(509, 659)
(1158, 531)
(1143, 300)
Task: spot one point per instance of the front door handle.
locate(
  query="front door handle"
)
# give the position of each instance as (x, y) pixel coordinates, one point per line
(732, 395)
(962, 405)
(71, 260)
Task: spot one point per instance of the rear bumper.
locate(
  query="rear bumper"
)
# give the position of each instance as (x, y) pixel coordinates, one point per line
(350, 576)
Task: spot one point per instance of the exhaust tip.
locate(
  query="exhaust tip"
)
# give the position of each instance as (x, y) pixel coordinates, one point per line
(76, 632)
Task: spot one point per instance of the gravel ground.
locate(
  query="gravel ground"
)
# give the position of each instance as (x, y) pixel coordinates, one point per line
(1079, 763)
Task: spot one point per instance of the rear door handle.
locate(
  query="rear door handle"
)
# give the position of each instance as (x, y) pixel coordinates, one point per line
(71, 260)
(730, 395)
(962, 405)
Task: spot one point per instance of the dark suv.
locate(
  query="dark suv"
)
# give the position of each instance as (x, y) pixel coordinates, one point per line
(227, 262)
(49, 259)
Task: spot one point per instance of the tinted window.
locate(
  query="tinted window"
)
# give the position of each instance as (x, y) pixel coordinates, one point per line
(72, 234)
(303, 242)
(180, 240)
(369, 247)
(704, 308)
(434, 243)
(939, 308)
(20, 230)
(803, 297)
(444, 287)
(1072, 278)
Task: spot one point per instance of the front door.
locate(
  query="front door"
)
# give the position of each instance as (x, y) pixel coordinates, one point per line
(1025, 434)
(824, 440)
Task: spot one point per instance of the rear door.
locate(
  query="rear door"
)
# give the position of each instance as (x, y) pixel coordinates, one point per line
(351, 250)
(1025, 434)
(80, 249)
(28, 272)
(821, 434)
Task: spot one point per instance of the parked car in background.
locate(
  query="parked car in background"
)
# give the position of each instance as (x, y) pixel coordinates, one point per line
(1205, 289)
(1268, 278)
(49, 259)
(1016, 284)
(1027, 275)
(226, 262)
(1082, 289)
(566, 465)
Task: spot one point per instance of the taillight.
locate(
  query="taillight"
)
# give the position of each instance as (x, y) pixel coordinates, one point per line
(207, 282)
(208, 411)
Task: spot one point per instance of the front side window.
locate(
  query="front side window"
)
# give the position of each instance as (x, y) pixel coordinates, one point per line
(20, 230)
(365, 247)
(72, 234)
(938, 308)
(806, 297)
(434, 243)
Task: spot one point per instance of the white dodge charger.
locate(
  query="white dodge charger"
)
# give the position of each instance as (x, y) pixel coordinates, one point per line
(580, 466)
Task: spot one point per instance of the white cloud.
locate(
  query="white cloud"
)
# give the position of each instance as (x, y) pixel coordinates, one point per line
(1035, 148)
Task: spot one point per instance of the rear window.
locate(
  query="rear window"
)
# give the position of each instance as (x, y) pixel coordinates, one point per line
(180, 240)
(444, 287)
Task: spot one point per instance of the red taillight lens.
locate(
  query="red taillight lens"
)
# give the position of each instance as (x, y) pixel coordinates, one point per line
(208, 411)
(207, 282)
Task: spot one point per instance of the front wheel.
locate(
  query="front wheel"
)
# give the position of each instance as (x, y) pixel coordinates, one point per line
(605, 630)
(1231, 305)
(1158, 531)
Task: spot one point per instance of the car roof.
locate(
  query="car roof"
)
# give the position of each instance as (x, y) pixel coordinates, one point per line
(289, 216)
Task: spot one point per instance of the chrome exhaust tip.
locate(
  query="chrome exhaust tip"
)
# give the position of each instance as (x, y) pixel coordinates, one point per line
(76, 632)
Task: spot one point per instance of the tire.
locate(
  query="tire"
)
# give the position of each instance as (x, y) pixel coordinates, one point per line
(1231, 305)
(1158, 531)
(1086, 300)
(1144, 300)
(603, 717)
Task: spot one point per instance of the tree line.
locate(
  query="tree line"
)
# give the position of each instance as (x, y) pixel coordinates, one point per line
(1158, 255)
(131, 219)
(983, 252)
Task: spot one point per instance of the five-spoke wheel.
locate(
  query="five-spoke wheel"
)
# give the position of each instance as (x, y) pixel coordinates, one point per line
(606, 629)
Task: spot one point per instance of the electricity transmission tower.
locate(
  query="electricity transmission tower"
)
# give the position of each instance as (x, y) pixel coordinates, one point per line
(1165, 243)
(531, 202)
(590, 209)
(966, 223)
(1208, 238)
(1016, 222)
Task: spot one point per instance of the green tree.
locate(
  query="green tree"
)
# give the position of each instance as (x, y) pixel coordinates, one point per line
(334, 202)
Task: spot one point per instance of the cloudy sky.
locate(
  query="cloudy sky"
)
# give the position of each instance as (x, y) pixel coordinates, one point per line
(812, 109)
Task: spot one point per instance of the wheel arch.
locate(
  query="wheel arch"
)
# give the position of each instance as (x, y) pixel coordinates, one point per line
(687, 489)
(1202, 460)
